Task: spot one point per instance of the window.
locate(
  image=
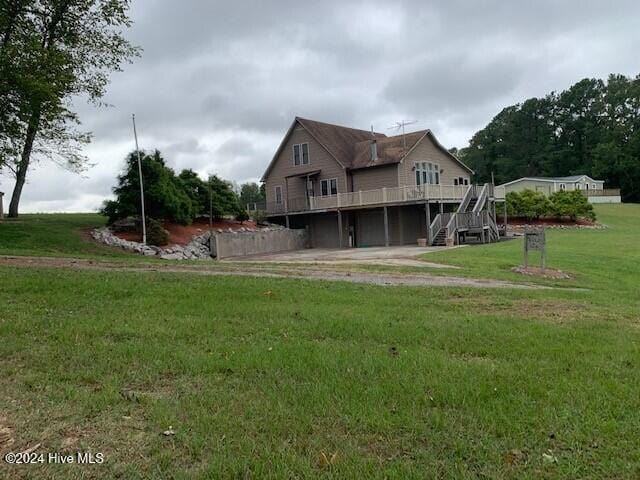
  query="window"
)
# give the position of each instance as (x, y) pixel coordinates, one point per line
(427, 173)
(466, 181)
(593, 186)
(301, 154)
(278, 190)
(455, 181)
(329, 187)
(563, 186)
(461, 181)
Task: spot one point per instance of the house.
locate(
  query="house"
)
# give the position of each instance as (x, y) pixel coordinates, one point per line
(593, 189)
(356, 188)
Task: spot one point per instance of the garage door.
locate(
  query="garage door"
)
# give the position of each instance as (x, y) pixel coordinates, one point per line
(370, 228)
(324, 231)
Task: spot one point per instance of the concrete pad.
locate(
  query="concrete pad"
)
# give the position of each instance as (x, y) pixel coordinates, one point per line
(396, 256)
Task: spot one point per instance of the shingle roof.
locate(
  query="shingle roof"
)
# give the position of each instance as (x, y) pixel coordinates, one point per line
(351, 147)
(338, 140)
(390, 150)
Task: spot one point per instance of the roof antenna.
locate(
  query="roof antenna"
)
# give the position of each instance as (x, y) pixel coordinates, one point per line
(400, 125)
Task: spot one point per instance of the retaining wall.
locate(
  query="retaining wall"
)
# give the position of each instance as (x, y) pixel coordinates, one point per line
(254, 243)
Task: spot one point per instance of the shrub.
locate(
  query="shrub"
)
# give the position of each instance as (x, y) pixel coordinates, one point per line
(529, 204)
(156, 234)
(242, 215)
(573, 204)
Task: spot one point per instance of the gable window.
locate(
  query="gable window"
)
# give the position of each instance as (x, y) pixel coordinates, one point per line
(301, 154)
(427, 173)
(329, 187)
(278, 192)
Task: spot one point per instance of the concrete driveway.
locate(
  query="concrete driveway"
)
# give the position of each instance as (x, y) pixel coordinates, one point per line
(397, 256)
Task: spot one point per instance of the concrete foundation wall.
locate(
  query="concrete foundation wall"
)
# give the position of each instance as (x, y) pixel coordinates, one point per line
(253, 243)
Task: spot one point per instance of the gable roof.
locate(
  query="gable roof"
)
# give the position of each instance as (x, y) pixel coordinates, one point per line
(351, 147)
(569, 179)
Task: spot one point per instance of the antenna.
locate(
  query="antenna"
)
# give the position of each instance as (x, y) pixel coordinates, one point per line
(400, 125)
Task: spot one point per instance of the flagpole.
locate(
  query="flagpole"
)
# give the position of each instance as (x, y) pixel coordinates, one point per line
(144, 223)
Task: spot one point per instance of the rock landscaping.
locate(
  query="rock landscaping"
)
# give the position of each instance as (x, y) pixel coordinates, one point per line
(196, 249)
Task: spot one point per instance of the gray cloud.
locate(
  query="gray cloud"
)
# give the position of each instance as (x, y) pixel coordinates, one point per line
(219, 82)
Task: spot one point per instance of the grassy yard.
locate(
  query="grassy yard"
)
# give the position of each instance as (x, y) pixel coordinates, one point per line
(273, 378)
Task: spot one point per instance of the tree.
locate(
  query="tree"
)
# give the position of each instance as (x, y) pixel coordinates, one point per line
(51, 51)
(225, 200)
(591, 128)
(164, 194)
(250, 193)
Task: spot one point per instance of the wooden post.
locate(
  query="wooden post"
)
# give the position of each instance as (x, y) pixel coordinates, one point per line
(339, 229)
(386, 227)
(427, 211)
(505, 217)
(441, 208)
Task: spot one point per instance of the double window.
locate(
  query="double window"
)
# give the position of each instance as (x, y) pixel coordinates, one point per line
(427, 173)
(301, 154)
(278, 194)
(329, 187)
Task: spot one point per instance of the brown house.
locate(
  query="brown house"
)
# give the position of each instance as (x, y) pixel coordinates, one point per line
(352, 187)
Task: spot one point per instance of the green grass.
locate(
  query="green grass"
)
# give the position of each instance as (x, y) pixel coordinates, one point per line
(54, 235)
(260, 377)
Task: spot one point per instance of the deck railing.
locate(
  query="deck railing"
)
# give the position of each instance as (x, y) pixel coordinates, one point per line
(371, 197)
(605, 192)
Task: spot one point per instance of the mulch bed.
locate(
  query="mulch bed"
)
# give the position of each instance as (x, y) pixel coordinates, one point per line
(182, 234)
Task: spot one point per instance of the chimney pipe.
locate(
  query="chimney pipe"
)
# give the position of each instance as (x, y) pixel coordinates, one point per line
(374, 147)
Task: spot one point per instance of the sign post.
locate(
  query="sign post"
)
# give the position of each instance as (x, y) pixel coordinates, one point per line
(534, 239)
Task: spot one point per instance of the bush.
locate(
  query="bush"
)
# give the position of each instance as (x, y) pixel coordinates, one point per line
(573, 204)
(156, 234)
(242, 215)
(529, 204)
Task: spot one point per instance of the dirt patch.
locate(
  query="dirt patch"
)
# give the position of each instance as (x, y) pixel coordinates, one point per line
(555, 311)
(544, 273)
(182, 234)
(6, 434)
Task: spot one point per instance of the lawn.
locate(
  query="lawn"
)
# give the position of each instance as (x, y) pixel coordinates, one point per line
(273, 378)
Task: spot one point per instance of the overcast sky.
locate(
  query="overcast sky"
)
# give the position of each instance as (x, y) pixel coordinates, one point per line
(219, 82)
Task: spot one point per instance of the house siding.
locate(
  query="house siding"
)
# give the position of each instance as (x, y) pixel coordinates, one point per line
(375, 178)
(427, 151)
(319, 159)
(549, 187)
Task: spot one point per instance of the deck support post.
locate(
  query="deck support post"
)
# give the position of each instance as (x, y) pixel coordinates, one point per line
(427, 213)
(441, 208)
(286, 220)
(505, 217)
(386, 227)
(339, 228)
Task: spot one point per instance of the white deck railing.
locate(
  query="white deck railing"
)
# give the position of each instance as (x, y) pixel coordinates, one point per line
(389, 195)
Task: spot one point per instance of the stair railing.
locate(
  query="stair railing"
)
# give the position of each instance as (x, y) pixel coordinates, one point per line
(471, 192)
(482, 199)
(435, 228)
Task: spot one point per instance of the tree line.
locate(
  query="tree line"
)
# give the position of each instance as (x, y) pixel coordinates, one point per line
(591, 128)
(178, 198)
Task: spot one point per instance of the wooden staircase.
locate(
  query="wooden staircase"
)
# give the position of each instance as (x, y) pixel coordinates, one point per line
(471, 217)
